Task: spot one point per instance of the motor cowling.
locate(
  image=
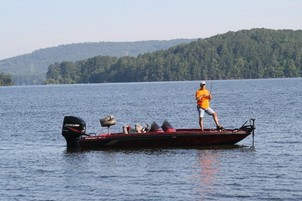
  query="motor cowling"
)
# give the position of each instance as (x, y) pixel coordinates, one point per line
(73, 128)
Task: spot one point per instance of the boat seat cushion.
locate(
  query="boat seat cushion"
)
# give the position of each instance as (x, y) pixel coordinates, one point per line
(155, 127)
(167, 127)
(108, 121)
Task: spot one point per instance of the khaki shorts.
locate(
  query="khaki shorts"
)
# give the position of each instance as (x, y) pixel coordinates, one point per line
(201, 111)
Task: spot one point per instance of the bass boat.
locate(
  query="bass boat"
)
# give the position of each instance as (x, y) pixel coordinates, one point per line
(74, 131)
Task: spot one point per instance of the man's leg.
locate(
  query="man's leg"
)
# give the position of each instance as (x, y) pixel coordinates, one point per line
(201, 123)
(215, 119)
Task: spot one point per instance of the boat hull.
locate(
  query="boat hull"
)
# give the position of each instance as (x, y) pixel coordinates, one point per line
(74, 131)
(183, 138)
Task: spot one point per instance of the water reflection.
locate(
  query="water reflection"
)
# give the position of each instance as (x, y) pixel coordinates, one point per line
(208, 161)
(209, 170)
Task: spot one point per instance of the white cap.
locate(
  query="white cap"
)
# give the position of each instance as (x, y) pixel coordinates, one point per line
(202, 83)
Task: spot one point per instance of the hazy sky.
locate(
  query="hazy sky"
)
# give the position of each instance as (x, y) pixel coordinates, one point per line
(28, 25)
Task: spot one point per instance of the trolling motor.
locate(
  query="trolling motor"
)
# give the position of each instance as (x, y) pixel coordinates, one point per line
(249, 126)
(73, 128)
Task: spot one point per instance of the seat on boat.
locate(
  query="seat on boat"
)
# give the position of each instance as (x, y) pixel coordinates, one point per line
(108, 121)
(138, 128)
(167, 127)
(126, 129)
(155, 127)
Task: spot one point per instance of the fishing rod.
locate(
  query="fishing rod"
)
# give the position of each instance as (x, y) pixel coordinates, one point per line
(211, 86)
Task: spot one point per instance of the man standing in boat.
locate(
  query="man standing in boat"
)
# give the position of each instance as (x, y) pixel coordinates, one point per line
(203, 98)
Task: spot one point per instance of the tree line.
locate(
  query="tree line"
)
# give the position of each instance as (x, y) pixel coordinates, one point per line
(245, 54)
(31, 68)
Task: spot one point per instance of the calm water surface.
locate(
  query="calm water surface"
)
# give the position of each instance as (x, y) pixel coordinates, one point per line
(35, 164)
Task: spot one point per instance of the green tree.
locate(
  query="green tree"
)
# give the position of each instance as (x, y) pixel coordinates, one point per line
(6, 80)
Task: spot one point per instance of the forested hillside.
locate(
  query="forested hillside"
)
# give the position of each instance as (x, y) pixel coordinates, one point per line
(255, 53)
(31, 68)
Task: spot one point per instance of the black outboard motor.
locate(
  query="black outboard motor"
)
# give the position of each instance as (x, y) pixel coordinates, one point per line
(73, 128)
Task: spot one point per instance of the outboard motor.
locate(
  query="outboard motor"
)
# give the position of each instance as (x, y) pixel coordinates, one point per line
(73, 128)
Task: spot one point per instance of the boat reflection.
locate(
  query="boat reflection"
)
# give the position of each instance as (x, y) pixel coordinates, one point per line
(209, 166)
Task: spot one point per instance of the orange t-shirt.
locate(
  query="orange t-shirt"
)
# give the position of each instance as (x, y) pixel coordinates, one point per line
(204, 102)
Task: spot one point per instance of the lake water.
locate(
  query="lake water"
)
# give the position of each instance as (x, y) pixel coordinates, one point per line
(35, 164)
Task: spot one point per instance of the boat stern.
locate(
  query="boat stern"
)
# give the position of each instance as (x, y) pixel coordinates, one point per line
(73, 128)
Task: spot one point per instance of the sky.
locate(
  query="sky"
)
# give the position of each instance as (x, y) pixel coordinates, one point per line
(29, 25)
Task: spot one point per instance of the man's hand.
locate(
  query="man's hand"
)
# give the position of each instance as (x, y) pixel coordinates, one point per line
(200, 97)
